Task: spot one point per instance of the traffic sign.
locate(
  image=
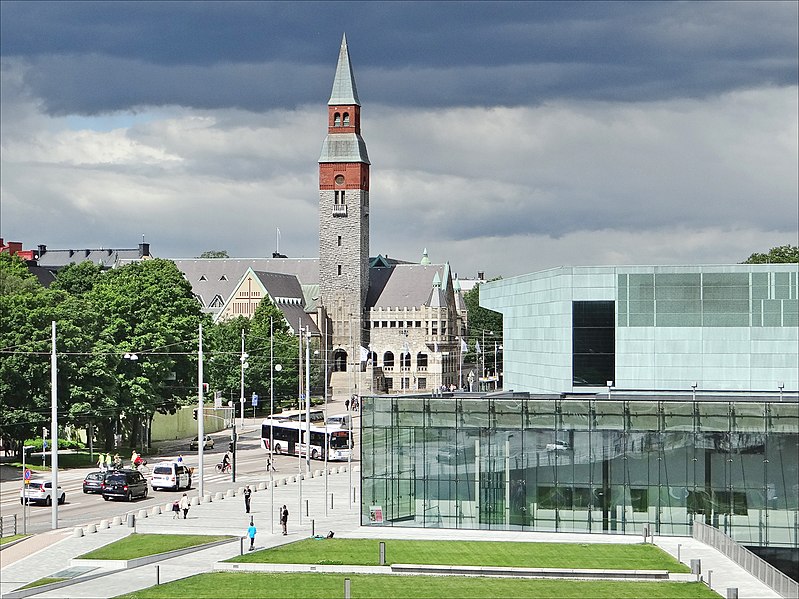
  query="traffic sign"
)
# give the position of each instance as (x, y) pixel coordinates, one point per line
(254, 399)
(27, 474)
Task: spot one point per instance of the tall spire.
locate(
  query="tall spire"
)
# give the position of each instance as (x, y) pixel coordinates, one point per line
(344, 91)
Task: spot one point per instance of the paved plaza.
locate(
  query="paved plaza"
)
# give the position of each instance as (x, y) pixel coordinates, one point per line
(327, 503)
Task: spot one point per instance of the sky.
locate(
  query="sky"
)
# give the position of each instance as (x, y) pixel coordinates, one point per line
(505, 138)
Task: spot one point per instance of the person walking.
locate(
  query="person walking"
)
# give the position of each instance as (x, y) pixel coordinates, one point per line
(175, 510)
(247, 494)
(108, 461)
(101, 462)
(184, 505)
(284, 519)
(251, 533)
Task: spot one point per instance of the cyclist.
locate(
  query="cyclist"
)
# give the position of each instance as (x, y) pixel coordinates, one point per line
(225, 462)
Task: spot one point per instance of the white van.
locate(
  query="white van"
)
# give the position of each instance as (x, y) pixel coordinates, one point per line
(340, 420)
(171, 475)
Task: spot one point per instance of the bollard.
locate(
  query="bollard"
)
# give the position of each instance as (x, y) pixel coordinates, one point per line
(241, 546)
(306, 508)
(382, 553)
(131, 520)
(104, 524)
(732, 592)
(347, 588)
(696, 568)
(709, 578)
(646, 533)
(313, 528)
(679, 547)
(77, 532)
(157, 574)
(91, 528)
(331, 501)
(353, 495)
(116, 521)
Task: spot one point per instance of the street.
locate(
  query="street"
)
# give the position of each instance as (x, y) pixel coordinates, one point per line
(80, 509)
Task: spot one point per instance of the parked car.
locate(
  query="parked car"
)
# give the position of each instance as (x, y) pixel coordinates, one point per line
(195, 444)
(124, 484)
(39, 491)
(93, 483)
(171, 475)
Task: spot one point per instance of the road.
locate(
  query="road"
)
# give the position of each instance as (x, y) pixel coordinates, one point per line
(81, 509)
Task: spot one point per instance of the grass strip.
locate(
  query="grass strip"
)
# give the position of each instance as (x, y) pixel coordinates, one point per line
(365, 552)
(43, 581)
(4, 540)
(140, 545)
(265, 586)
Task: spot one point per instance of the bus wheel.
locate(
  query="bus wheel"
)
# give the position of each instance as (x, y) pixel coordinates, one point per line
(314, 454)
(278, 449)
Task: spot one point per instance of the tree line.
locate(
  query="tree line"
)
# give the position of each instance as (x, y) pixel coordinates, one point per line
(144, 310)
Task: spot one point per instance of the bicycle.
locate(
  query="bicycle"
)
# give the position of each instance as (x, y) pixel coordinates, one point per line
(221, 467)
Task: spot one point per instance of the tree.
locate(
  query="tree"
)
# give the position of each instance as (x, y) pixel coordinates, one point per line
(150, 312)
(484, 324)
(214, 254)
(77, 279)
(15, 276)
(776, 255)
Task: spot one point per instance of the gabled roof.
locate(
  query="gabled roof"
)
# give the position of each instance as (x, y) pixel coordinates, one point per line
(344, 89)
(106, 258)
(402, 285)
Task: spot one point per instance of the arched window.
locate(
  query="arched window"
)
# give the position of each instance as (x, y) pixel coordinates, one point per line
(346, 119)
(337, 120)
(372, 358)
(339, 361)
(405, 360)
(421, 360)
(388, 360)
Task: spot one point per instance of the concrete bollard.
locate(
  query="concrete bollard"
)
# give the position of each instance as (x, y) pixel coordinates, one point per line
(116, 521)
(696, 568)
(229, 493)
(292, 479)
(142, 514)
(156, 510)
(317, 473)
(646, 533)
(710, 578)
(167, 508)
(131, 520)
(194, 501)
(77, 532)
(91, 528)
(347, 589)
(104, 524)
(261, 486)
(207, 498)
(218, 496)
(732, 592)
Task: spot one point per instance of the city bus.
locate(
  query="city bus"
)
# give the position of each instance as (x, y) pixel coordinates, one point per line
(317, 415)
(290, 439)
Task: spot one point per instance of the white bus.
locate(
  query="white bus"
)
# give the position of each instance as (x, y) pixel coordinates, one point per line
(317, 415)
(289, 438)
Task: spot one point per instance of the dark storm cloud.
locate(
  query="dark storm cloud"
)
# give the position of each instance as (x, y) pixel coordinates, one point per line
(91, 57)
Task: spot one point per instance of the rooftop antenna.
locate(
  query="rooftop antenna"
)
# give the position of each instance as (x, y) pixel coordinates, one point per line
(277, 249)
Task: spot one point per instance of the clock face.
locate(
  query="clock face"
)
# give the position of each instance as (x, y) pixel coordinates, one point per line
(339, 179)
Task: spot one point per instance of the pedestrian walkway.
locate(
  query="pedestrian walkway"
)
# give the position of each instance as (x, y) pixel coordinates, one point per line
(325, 503)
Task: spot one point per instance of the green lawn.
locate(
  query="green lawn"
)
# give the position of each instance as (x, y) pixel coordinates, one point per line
(236, 584)
(139, 545)
(79, 459)
(365, 552)
(42, 581)
(4, 540)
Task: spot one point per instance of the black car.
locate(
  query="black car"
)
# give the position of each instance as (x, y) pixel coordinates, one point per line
(124, 484)
(93, 483)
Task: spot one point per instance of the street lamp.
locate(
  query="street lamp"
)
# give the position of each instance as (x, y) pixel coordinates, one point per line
(244, 366)
(694, 385)
(25, 482)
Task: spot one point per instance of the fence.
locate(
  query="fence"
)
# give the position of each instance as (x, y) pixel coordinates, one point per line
(8, 525)
(756, 566)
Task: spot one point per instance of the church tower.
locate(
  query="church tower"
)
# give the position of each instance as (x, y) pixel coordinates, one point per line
(344, 219)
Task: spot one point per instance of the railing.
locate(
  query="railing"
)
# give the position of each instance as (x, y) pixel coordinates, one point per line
(340, 210)
(756, 566)
(8, 525)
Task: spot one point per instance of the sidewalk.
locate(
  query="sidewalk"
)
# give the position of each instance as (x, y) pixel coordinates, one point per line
(226, 516)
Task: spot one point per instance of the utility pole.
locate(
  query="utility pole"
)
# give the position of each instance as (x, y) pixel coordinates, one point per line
(54, 432)
(200, 416)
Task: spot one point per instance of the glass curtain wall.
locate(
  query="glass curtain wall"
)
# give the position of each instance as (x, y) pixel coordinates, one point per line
(587, 465)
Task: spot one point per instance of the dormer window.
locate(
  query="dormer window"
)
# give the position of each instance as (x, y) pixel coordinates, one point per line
(337, 120)
(346, 119)
(203, 278)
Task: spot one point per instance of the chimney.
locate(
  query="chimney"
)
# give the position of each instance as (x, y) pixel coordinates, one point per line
(86, 253)
(42, 250)
(481, 275)
(144, 250)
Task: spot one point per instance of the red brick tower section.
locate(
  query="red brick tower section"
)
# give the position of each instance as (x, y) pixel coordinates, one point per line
(344, 219)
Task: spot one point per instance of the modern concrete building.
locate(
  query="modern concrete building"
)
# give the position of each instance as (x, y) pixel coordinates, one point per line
(650, 328)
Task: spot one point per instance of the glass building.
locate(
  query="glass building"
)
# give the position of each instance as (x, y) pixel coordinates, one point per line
(593, 463)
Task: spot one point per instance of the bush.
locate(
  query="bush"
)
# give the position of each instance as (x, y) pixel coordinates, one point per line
(62, 444)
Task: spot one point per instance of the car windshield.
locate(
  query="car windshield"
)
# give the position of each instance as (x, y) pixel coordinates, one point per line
(116, 478)
(162, 470)
(95, 476)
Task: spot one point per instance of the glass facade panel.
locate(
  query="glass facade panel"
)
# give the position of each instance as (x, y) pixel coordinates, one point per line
(585, 465)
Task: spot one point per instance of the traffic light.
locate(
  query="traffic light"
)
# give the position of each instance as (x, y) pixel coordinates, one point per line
(194, 413)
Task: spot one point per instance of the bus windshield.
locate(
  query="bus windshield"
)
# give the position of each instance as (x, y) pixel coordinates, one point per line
(339, 440)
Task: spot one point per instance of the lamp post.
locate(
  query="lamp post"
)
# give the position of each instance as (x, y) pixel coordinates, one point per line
(25, 483)
(200, 416)
(694, 385)
(54, 431)
(244, 366)
(781, 386)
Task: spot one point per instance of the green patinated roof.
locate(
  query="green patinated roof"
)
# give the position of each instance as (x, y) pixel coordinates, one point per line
(344, 90)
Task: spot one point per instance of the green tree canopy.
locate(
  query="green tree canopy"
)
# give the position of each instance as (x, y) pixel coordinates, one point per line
(77, 279)
(214, 254)
(484, 325)
(776, 255)
(15, 276)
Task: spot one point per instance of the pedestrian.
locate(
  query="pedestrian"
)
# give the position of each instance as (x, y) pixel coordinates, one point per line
(347, 404)
(251, 533)
(175, 510)
(108, 461)
(184, 505)
(247, 494)
(101, 462)
(180, 459)
(284, 519)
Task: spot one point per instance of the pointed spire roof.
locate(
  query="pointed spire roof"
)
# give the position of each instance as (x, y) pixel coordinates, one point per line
(425, 257)
(344, 90)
